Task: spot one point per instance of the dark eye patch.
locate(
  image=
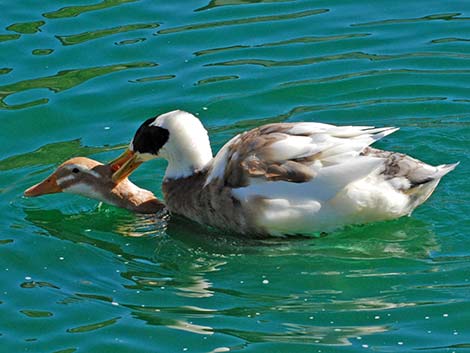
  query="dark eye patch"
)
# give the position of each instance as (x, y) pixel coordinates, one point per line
(149, 139)
(75, 170)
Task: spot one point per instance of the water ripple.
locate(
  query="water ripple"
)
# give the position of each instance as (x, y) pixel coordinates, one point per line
(215, 79)
(153, 78)
(5, 70)
(131, 41)
(93, 327)
(307, 334)
(7, 37)
(437, 17)
(26, 27)
(379, 72)
(298, 40)
(314, 39)
(36, 313)
(74, 11)
(92, 35)
(243, 21)
(52, 153)
(42, 51)
(220, 50)
(338, 57)
(218, 3)
(449, 40)
(62, 81)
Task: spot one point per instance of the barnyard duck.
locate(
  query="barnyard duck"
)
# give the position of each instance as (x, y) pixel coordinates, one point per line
(282, 178)
(90, 178)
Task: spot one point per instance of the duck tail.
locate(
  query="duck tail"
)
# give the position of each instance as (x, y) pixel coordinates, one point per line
(420, 191)
(443, 169)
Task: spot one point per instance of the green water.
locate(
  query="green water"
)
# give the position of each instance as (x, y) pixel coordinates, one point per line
(78, 77)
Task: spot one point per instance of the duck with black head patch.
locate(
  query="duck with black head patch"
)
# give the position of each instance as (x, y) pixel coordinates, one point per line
(283, 178)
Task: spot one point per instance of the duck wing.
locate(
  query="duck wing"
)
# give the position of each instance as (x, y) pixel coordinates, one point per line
(298, 153)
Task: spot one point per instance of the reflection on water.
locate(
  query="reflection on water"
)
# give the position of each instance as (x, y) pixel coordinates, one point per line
(62, 81)
(7, 37)
(26, 27)
(74, 11)
(343, 56)
(180, 259)
(308, 334)
(387, 72)
(92, 35)
(402, 238)
(36, 313)
(42, 51)
(52, 153)
(93, 327)
(436, 17)
(243, 21)
(217, 3)
(165, 316)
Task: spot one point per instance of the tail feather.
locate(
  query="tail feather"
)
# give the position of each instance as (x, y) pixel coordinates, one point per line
(420, 192)
(443, 169)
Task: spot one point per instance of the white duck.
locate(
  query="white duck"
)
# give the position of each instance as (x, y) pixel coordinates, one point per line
(285, 178)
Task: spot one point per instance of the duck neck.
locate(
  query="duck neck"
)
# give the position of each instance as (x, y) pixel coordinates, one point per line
(188, 158)
(128, 195)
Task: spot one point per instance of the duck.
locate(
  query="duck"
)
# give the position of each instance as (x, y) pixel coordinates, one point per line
(290, 178)
(90, 178)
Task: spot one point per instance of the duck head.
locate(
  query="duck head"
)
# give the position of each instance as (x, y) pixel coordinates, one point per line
(177, 136)
(92, 179)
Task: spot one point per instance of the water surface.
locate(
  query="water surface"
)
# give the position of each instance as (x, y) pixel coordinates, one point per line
(77, 78)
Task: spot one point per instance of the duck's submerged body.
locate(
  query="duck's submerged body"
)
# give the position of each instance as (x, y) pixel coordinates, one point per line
(288, 178)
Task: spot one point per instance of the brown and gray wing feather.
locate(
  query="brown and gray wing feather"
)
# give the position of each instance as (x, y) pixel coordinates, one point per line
(250, 156)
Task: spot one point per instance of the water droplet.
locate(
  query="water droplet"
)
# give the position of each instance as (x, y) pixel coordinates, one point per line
(265, 281)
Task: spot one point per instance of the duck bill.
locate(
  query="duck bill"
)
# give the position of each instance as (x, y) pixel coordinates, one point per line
(124, 165)
(47, 186)
(117, 163)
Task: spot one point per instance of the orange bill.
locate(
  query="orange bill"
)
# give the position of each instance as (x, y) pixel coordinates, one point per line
(47, 186)
(124, 165)
(121, 160)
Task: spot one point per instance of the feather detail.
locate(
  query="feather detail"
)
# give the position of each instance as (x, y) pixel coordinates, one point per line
(293, 152)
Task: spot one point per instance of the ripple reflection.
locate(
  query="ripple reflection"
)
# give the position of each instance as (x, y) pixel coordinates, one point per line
(74, 11)
(243, 21)
(62, 81)
(92, 35)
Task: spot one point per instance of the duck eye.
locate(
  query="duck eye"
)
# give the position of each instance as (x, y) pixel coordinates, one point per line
(75, 170)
